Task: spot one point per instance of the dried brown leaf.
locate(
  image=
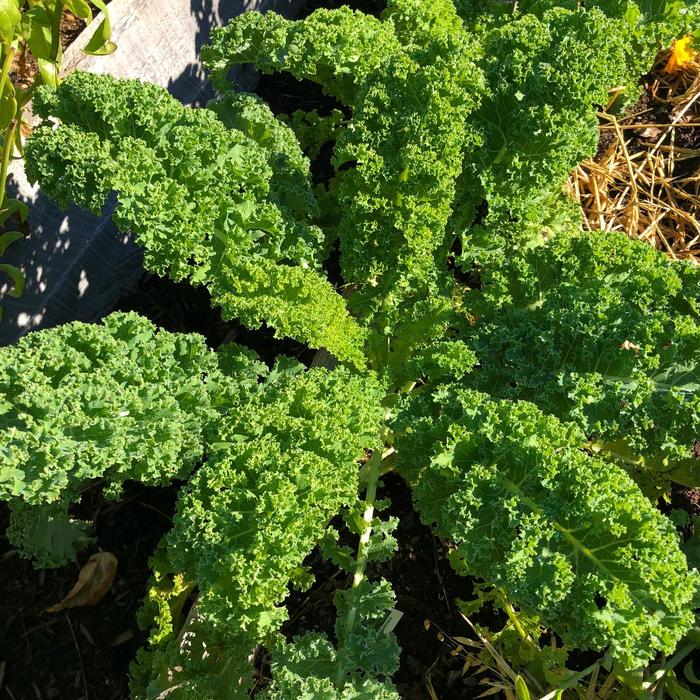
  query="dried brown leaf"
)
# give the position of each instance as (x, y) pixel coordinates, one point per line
(651, 132)
(94, 580)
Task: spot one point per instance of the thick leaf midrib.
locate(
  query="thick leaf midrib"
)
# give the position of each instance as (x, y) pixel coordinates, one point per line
(577, 545)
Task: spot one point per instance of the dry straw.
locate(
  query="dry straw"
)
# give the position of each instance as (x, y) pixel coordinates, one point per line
(645, 180)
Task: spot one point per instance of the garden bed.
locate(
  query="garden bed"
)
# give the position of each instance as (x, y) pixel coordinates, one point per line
(84, 653)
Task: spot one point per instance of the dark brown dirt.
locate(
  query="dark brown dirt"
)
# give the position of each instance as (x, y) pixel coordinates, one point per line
(71, 26)
(426, 588)
(81, 653)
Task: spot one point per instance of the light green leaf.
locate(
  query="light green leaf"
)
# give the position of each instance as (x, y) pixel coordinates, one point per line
(49, 71)
(79, 8)
(521, 689)
(8, 107)
(10, 17)
(38, 24)
(100, 43)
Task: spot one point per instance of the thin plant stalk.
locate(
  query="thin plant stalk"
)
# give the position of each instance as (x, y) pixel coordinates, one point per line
(374, 465)
(7, 148)
(7, 63)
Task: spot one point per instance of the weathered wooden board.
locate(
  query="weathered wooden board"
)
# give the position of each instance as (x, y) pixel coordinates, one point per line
(78, 265)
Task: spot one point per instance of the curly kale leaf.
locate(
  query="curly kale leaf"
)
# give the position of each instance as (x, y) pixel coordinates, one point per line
(359, 668)
(197, 196)
(365, 648)
(547, 75)
(652, 23)
(314, 130)
(601, 330)
(549, 67)
(361, 665)
(289, 184)
(118, 400)
(283, 463)
(339, 49)
(408, 124)
(568, 537)
(408, 132)
(306, 668)
(45, 533)
(288, 298)
(410, 81)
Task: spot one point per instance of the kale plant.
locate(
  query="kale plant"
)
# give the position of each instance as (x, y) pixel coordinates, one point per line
(532, 383)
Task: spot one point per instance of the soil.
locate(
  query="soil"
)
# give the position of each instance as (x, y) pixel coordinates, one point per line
(647, 110)
(85, 652)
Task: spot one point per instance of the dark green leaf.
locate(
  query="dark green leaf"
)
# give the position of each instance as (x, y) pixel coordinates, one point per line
(14, 206)
(17, 277)
(8, 107)
(8, 238)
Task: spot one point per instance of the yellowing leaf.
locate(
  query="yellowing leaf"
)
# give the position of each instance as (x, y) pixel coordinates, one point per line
(94, 580)
(683, 52)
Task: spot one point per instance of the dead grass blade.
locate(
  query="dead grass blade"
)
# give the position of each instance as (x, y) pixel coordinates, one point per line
(646, 181)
